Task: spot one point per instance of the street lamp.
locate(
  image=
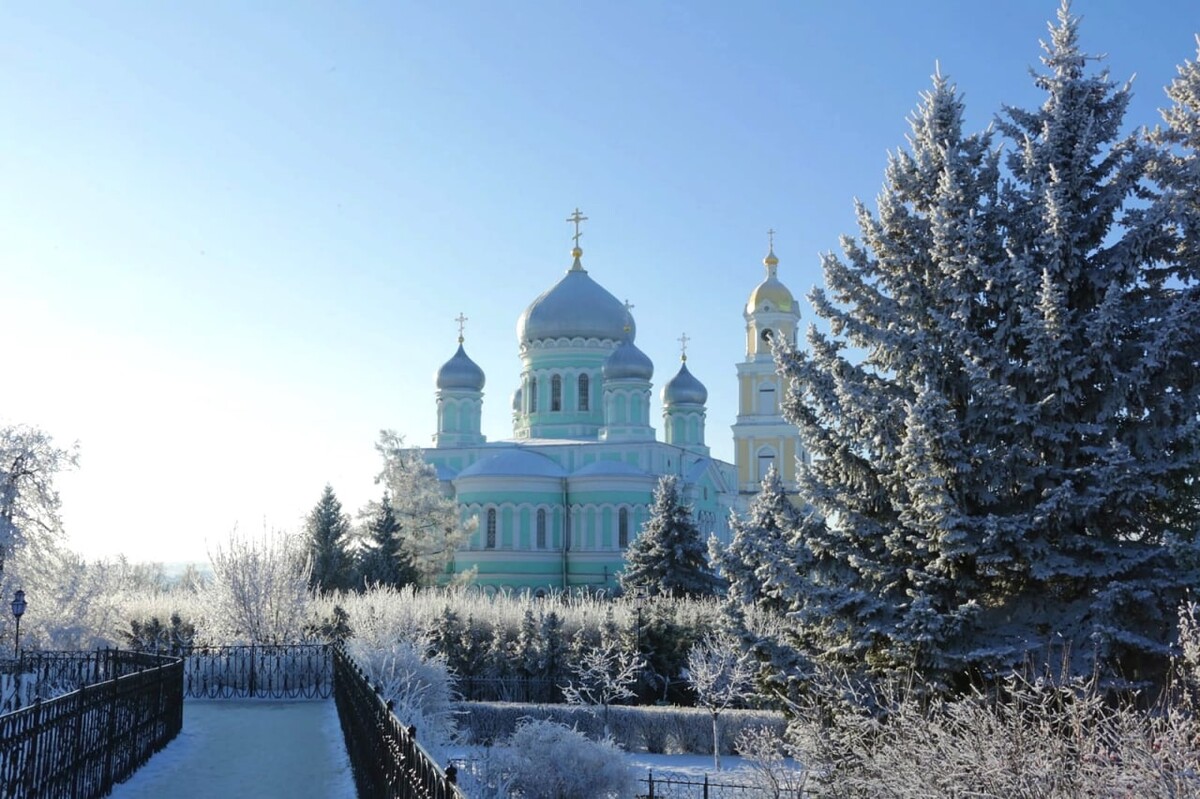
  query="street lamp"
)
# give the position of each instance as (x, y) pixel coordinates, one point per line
(18, 610)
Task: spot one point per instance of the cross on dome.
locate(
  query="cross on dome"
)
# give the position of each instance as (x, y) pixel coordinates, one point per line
(771, 239)
(683, 342)
(628, 316)
(462, 320)
(577, 218)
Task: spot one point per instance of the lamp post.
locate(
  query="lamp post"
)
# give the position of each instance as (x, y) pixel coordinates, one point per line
(18, 610)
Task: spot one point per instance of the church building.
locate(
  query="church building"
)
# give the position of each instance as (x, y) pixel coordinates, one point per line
(559, 502)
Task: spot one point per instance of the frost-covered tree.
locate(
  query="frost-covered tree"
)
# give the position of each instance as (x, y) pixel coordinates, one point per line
(384, 559)
(29, 504)
(721, 674)
(603, 675)
(259, 591)
(1012, 459)
(668, 556)
(430, 526)
(327, 535)
(763, 553)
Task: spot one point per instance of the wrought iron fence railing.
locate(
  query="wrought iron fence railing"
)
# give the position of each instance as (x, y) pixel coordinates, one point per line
(672, 788)
(46, 675)
(81, 743)
(291, 671)
(510, 689)
(387, 761)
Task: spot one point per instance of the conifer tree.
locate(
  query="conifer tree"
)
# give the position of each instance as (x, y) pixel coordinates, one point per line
(668, 556)
(998, 468)
(327, 532)
(385, 560)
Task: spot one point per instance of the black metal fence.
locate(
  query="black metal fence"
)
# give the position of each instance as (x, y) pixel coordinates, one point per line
(659, 788)
(46, 675)
(388, 762)
(510, 689)
(295, 671)
(80, 744)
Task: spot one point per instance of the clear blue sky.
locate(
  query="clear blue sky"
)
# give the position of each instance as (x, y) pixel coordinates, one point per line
(234, 236)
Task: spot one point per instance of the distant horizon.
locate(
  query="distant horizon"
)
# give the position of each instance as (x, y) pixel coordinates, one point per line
(238, 237)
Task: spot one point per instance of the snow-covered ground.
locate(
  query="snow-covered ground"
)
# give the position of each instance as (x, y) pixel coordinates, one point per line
(230, 749)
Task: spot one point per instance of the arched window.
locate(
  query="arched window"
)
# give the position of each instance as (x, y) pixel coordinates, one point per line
(623, 528)
(533, 395)
(766, 457)
(583, 392)
(491, 529)
(541, 528)
(556, 393)
(766, 399)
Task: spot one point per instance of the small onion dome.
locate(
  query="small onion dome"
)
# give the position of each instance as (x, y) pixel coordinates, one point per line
(460, 373)
(770, 295)
(628, 362)
(574, 307)
(518, 395)
(684, 389)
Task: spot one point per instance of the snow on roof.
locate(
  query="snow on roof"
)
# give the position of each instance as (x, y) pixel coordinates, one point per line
(514, 463)
(609, 467)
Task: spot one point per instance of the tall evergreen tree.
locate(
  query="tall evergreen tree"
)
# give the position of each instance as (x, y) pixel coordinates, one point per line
(385, 560)
(668, 556)
(994, 472)
(327, 533)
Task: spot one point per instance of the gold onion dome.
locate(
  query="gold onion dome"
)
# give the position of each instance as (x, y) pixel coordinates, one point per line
(770, 295)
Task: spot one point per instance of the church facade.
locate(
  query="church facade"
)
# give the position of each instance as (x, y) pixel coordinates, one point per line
(558, 504)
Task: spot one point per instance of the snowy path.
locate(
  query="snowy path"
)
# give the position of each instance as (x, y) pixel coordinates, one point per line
(256, 749)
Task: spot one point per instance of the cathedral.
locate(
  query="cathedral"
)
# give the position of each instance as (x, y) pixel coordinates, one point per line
(559, 502)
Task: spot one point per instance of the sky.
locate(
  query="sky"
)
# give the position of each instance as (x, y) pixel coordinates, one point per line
(234, 237)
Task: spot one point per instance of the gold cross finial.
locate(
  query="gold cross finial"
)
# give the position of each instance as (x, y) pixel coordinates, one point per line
(683, 340)
(628, 316)
(577, 218)
(462, 320)
(771, 239)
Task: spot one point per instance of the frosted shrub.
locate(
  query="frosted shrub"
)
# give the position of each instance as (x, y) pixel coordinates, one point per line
(259, 590)
(776, 775)
(546, 760)
(416, 681)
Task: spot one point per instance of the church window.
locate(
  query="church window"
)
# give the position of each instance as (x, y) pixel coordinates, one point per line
(766, 335)
(766, 399)
(583, 392)
(533, 395)
(766, 457)
(491, 529)
(556, 393)
(541, 528)
(623, 528)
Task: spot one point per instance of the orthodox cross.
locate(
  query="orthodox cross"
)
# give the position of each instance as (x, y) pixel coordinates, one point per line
(628, 315)
(461, 323)
(577, 218)
(771, 239)
(683, 340)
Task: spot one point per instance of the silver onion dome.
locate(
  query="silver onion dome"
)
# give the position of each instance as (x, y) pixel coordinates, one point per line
(684, 389)
(574, 307)
(628, 362)
(460, 373)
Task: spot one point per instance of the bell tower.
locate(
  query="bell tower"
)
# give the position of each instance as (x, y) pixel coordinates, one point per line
(761, 436)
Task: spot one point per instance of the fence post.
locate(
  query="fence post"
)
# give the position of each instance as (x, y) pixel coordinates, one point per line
(650, 779)
(253, 690)
(109, 739)
(77, 744)
(32, 755)
(706, 785)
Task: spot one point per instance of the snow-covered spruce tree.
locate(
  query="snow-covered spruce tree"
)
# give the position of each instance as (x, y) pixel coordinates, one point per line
(430, 527)
(994, 475)
(763, 545)
(384, 560)
(668, 557)
(327, 534)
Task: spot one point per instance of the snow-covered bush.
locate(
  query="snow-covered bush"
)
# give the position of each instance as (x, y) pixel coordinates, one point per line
(547, 760)
(665, 730)
(416, 680)
(776, 773)
(259, 590)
